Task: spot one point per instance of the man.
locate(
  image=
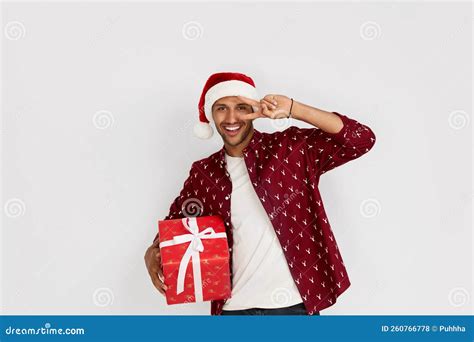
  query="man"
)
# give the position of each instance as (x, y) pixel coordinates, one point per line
(284, 257)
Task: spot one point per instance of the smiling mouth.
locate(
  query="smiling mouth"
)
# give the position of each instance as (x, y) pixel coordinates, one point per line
(233, 129)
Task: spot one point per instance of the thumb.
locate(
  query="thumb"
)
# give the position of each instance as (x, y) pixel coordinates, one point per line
(256, 108)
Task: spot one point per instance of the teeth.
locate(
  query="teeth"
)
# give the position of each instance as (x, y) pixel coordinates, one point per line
(232, 128)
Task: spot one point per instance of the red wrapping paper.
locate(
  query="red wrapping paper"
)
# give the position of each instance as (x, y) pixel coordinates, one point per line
(213, 260)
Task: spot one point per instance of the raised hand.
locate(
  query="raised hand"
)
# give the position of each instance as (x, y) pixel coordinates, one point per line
(272, 106)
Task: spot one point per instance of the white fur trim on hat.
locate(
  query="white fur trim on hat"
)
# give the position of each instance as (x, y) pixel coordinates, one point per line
(228, 88)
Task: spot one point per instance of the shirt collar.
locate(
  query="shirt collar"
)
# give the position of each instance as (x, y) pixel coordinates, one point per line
(256, 138)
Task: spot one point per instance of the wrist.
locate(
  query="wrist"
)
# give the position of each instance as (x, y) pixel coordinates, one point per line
(296, 110)
(290, 110)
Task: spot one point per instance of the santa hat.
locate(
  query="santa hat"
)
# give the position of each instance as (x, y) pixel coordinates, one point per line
(220, 85)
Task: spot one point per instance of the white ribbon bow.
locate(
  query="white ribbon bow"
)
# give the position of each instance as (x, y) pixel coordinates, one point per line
(192, 252)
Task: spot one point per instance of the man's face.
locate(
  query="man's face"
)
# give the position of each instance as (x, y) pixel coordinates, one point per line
(226, 113)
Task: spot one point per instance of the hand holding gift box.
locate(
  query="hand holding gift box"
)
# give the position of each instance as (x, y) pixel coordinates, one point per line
(195, 259)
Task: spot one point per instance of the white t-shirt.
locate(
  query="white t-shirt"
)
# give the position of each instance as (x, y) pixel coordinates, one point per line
(261, 276)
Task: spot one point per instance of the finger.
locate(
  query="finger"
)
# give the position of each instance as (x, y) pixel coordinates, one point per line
(157, 282)
(256, 109)
(155, 270)
(254, 115)
(158, 255)
(158, 285)
(251, 116)
(249, 101)
(160, 271)
(271, 99)
(270, 105)
(257, 113)
(266, 111)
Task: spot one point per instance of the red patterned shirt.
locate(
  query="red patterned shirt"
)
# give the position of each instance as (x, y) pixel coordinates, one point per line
(284, 168)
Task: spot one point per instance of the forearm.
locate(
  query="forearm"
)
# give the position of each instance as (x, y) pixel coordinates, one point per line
(327, 121)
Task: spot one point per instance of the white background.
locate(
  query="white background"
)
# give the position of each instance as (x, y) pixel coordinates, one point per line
(98, 104)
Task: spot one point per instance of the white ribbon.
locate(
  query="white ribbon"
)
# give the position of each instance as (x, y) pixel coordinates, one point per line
(192, 252)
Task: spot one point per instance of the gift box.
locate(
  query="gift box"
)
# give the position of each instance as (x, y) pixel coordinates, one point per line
(195, 259)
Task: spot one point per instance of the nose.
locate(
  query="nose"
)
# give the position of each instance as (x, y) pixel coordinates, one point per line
(232, 116)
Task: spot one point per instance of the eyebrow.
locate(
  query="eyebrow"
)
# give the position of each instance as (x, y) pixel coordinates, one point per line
(223, 104)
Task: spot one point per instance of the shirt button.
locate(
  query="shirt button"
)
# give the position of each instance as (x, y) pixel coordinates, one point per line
(227, 197)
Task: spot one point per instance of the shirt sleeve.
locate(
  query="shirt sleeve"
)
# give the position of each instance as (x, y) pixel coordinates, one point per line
(327, 151)
(176, 207)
